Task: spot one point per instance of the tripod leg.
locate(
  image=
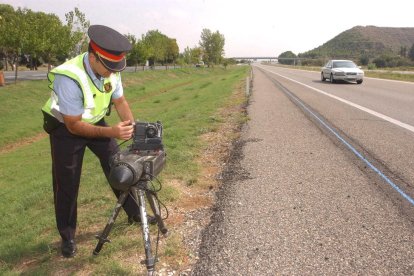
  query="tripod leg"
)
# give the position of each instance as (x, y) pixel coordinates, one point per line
(156, 210)
(103, 237)
(139, 195)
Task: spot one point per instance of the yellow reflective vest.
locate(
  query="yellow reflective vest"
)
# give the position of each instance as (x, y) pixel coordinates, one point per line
(95, 101)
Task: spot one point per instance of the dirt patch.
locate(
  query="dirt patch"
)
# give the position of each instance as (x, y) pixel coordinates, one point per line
(21, 143)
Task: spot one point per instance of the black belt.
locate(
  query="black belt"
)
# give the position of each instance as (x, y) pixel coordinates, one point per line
(50, 123)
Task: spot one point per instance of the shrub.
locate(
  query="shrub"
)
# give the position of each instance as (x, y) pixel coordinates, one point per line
(364, 60)
(380, 62)
(287, 58)
(313, 62)
(411, 53)
(372, 66)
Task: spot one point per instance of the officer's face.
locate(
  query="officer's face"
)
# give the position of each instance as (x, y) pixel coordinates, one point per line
(99, 68)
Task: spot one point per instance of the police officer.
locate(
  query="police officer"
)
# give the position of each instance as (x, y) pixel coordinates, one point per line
(83, 89)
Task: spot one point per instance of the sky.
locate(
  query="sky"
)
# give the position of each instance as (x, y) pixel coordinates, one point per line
(250, 28)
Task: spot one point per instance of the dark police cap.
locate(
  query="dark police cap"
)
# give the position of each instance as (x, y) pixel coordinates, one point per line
(110, 46)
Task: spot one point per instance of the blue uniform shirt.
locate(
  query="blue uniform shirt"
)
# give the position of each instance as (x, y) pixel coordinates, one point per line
(71, 96)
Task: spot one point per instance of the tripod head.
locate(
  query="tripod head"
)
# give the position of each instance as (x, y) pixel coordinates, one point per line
(143, 160)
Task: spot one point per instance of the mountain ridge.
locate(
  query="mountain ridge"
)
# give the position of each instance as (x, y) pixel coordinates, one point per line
(368, 40)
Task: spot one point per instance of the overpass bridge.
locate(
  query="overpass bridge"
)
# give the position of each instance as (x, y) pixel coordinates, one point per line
(250, 58)
(294, 60)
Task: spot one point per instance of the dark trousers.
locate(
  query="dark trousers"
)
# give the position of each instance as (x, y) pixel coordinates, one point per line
(67, 157)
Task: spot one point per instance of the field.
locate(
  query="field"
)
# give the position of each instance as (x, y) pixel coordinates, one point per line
(199, 108)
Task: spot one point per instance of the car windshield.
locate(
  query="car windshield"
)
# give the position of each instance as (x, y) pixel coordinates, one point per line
(344, 64)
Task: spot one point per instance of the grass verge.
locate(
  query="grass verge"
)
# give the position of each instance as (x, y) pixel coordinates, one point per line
(192, 105)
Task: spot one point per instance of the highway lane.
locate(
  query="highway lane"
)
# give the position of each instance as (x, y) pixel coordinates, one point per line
(387, 144)
(297, 201)
(392, 98)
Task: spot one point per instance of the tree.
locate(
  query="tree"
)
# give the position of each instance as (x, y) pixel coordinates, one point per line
(287, 57)
(172, 50)
(213, 46)
(48, 39)
(227, 61)
(156, 43)
(159, 48)
(403, 51)
(205, 44)
(14, 32)
(139, 52)
(36, 35)
(132, 56)
(218, 47)
(7, 12)
(186, 55)
(196, 55)
(364, 59)
(34, 44)
(411, 53)
(193, 55)
(78, 26)
(56, 40)
(143, 52)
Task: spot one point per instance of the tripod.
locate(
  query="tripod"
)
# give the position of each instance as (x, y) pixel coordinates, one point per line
(138, 192)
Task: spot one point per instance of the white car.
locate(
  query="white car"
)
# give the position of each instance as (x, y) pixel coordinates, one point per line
(344, 70)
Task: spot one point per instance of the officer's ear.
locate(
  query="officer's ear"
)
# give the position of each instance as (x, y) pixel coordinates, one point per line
(93, 58)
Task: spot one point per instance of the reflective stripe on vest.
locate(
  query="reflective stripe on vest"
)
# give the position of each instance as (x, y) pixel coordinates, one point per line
(95, 101)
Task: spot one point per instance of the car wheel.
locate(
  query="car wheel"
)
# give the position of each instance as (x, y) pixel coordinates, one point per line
(359, 81)
(322, 77)
(331, 79)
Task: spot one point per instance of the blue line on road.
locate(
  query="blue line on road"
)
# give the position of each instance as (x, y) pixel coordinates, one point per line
(360, 156)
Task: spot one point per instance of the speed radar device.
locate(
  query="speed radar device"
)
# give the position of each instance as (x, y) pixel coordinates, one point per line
(132, 172)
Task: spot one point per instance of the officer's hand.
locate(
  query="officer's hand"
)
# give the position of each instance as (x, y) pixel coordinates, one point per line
(123, 130)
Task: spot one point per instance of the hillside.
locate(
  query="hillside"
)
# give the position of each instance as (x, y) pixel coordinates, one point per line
(369, 40)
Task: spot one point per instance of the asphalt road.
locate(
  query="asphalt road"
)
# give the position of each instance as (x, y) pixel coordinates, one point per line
(317, 185)
(9, 76)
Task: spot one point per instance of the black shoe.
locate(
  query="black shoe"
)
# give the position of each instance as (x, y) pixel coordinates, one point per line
(68, 248)
(137, 218)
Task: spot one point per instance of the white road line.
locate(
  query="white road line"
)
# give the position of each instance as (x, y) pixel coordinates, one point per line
(372, 112)
(348, 145)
